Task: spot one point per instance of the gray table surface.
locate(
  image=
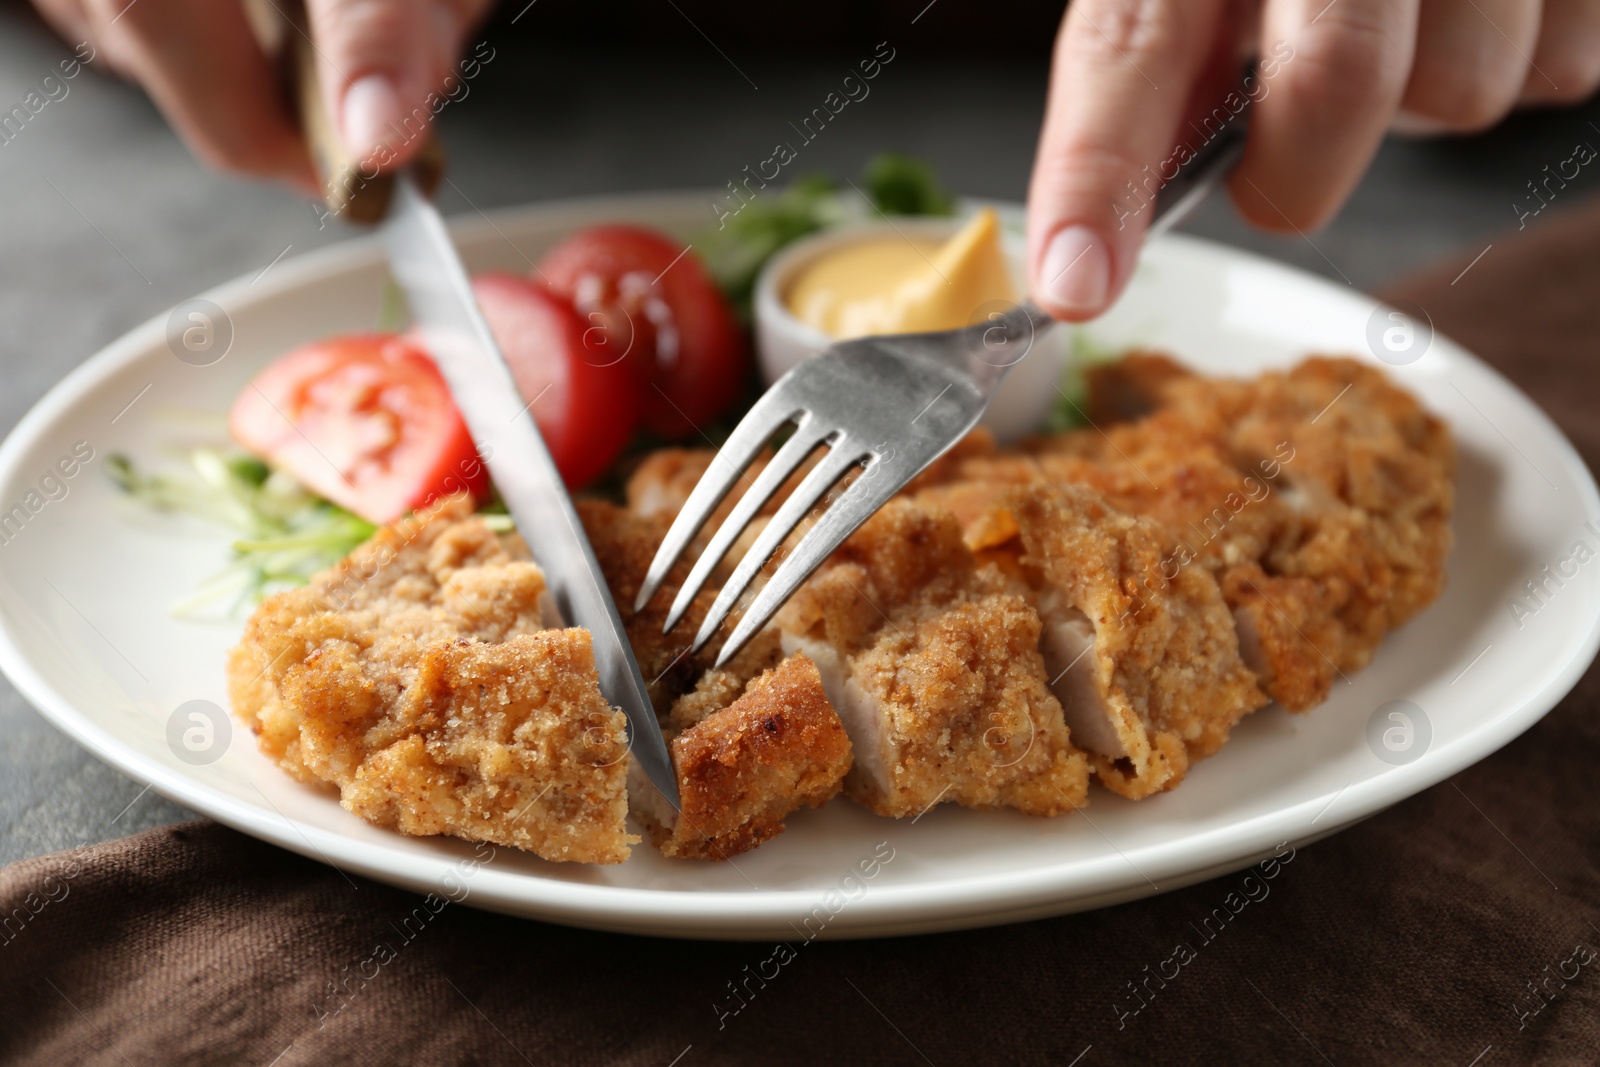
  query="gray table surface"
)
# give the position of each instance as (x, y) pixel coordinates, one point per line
(107, 220)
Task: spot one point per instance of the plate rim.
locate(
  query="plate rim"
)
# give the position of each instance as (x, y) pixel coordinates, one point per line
(974, 900)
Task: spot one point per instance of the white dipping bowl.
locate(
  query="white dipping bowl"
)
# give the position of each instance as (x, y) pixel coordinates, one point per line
(1026, 396)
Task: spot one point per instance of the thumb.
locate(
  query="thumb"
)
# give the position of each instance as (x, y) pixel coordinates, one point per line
(1121, 75)
(378, 62)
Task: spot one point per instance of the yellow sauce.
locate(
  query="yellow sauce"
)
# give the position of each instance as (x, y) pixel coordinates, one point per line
(895, 284)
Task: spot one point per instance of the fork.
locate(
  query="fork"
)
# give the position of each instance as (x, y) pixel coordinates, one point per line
(890, 405)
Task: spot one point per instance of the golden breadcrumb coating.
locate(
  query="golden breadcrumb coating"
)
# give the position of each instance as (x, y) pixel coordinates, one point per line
(1131, 386)
(1317, 500)
(749, 747)
(624, 543)
(1165, 672)
(663, 480)
(1320, 497)
(718, 687)
(744, 768)
(934, 665)
(1368, 480)
(418, 678)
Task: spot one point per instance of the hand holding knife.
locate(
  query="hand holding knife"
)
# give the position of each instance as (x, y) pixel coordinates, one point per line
(425, 264)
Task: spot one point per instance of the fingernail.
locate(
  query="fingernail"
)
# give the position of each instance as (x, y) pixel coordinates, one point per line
(370, 106)
(1076, 273)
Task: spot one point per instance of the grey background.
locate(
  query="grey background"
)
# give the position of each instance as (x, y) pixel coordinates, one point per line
(107, 221)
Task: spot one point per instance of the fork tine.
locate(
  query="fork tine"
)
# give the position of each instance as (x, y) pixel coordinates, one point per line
(784, 463)
(843, 455)
(748, 438)
(843, 517)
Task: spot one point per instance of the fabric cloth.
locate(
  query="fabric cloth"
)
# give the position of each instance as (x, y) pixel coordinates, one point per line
(1457, 927)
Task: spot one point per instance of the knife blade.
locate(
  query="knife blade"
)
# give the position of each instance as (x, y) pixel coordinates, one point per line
(425, 264)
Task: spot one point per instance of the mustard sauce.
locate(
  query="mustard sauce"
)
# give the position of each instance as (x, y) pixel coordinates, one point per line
(895, 284)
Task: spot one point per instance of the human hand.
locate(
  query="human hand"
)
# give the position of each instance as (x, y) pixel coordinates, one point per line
(204, 64)
(1134, 79)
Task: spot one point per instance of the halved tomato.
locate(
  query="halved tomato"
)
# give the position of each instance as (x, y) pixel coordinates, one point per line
(585, 401)
(651, 300)
(364, 420)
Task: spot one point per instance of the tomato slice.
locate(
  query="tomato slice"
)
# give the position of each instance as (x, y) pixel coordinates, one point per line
(364, 420)
(585, 401)
(653, 300)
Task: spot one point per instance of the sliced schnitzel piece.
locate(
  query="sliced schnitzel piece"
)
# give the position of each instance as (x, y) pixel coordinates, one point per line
(662, 482)
(752, 742)
(1161, 467)
(1371, 476)
(1129, 388)
(1143, 657)
(745, 767)
(1165, 468)
(624, 543)
(418, 678)
(510, 743)
(933, 665)
(1319, 497)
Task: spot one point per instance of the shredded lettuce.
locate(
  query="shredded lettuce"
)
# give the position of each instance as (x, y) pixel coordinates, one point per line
(287, 533)
(394, 314)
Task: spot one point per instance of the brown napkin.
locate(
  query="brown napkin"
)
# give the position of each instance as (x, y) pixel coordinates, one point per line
(1455, 928)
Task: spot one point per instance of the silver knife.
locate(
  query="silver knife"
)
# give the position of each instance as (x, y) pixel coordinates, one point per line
(425, 263)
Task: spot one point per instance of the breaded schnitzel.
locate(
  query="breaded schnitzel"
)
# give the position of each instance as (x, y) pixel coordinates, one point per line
(1147, 668)
(934, 665)
(419, 678)
(745, 767)
(1320, 497)
(752, 742)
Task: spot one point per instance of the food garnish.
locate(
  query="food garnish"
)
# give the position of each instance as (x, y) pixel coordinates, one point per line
(288, 533)
(651, 305)
(363, 420)
(736, 251)
(585, 401)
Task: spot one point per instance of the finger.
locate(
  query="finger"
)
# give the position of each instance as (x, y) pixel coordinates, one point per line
(1343, 69)
(378, 62)
(1566, 61)
(1120, 80)
(204, 68)
(1472, 60)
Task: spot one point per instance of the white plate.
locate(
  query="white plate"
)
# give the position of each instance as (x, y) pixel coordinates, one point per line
(85, 633)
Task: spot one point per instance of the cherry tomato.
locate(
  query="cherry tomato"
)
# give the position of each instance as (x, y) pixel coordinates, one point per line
(364, 420)
(584, 399)
(658, 312)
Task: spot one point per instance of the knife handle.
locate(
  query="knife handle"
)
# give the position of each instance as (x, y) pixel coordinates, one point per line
(356, 190)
